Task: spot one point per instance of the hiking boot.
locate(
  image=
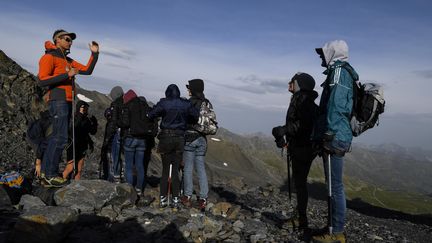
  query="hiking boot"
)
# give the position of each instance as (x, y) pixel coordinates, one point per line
(175, 203)
(296, 222)
(117, 179)
(56, 181)
(329, 238)
(186, 201)
(163, 203)
(202, 204)
(138, 192)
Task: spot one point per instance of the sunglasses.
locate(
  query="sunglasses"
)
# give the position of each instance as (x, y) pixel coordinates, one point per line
(67, 39)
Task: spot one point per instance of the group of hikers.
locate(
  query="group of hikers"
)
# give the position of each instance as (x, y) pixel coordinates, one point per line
(132, 125)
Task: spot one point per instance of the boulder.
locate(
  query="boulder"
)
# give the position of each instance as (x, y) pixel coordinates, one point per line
(28, 202)
(44, 224)
(89, 196)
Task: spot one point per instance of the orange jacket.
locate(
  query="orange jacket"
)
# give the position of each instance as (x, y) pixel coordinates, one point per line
(53, 74)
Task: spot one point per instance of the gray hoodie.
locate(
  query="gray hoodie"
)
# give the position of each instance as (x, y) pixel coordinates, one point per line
(336, 50)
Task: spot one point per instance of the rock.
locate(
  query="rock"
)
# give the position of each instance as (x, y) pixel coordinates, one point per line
(209, 206)
(256, 238)
(221, 208)
(45, 194)
(28, 201)
(108, 212)
(254, 227)
(91, 195)
(236, 183)
(233, 212)
(5, 202)
(238, 224)
(44, 224)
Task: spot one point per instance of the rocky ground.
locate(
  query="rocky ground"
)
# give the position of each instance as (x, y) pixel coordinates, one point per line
(100, 211)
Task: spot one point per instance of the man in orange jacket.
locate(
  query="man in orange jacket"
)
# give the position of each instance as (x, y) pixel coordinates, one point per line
(57, 72)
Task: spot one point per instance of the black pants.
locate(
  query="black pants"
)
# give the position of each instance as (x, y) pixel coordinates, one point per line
(171, 150)
(302, 158)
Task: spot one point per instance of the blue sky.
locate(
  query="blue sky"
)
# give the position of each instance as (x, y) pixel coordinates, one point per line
(246, 51)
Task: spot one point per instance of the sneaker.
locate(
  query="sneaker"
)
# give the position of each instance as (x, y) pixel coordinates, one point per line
(202, 203)
(175, 202)
(329, 238)
(163, 203)
(186, 201)
(56, 181)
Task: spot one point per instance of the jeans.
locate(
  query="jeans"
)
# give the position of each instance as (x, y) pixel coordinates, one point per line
(134, 155)
(60, 112)
(338, 201)
(193, 155)
(115, 153)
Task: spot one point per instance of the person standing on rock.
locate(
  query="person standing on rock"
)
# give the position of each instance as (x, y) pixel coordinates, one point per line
(297, 131)
(111, 146)
(333, 129)
(84, 126)
(137, 127)
(57, 71)
(176, 113)
(195, 150)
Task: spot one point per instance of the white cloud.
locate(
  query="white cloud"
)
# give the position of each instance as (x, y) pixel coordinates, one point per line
(239, 78)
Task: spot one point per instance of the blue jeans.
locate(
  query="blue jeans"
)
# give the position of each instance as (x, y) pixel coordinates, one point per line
(60, 112)
(115, 154)
(134, 155)
(193, 155)
(337, 187)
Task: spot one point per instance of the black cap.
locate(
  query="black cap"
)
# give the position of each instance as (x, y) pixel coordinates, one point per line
(62, 32)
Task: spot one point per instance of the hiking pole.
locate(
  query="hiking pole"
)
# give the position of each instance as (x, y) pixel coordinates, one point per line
(289, 174)
(329, 195)
(73, 129)
(169, 184)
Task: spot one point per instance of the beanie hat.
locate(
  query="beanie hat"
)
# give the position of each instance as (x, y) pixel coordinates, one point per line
(116, 92)
(304, 81)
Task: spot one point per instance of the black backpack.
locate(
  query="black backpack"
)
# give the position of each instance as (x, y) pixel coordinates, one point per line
(138, 122)
(368, 104)
(39, 129)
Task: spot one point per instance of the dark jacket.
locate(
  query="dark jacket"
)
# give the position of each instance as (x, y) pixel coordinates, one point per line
(83, 127)
(300, 118)
(176, 112)
(113, 121)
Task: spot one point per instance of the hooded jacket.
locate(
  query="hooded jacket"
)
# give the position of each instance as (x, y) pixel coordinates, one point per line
(53, 74)
(176, 112)
(337, 97)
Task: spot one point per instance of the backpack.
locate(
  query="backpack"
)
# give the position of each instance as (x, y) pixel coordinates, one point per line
(39, 129)
(12, 179)
(368, 104)
(207, 124)
(139, 123)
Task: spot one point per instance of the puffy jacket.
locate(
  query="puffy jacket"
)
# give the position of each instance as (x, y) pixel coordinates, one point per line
(176, 112)
(53, 74)
(337, 97)
(300, 118)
